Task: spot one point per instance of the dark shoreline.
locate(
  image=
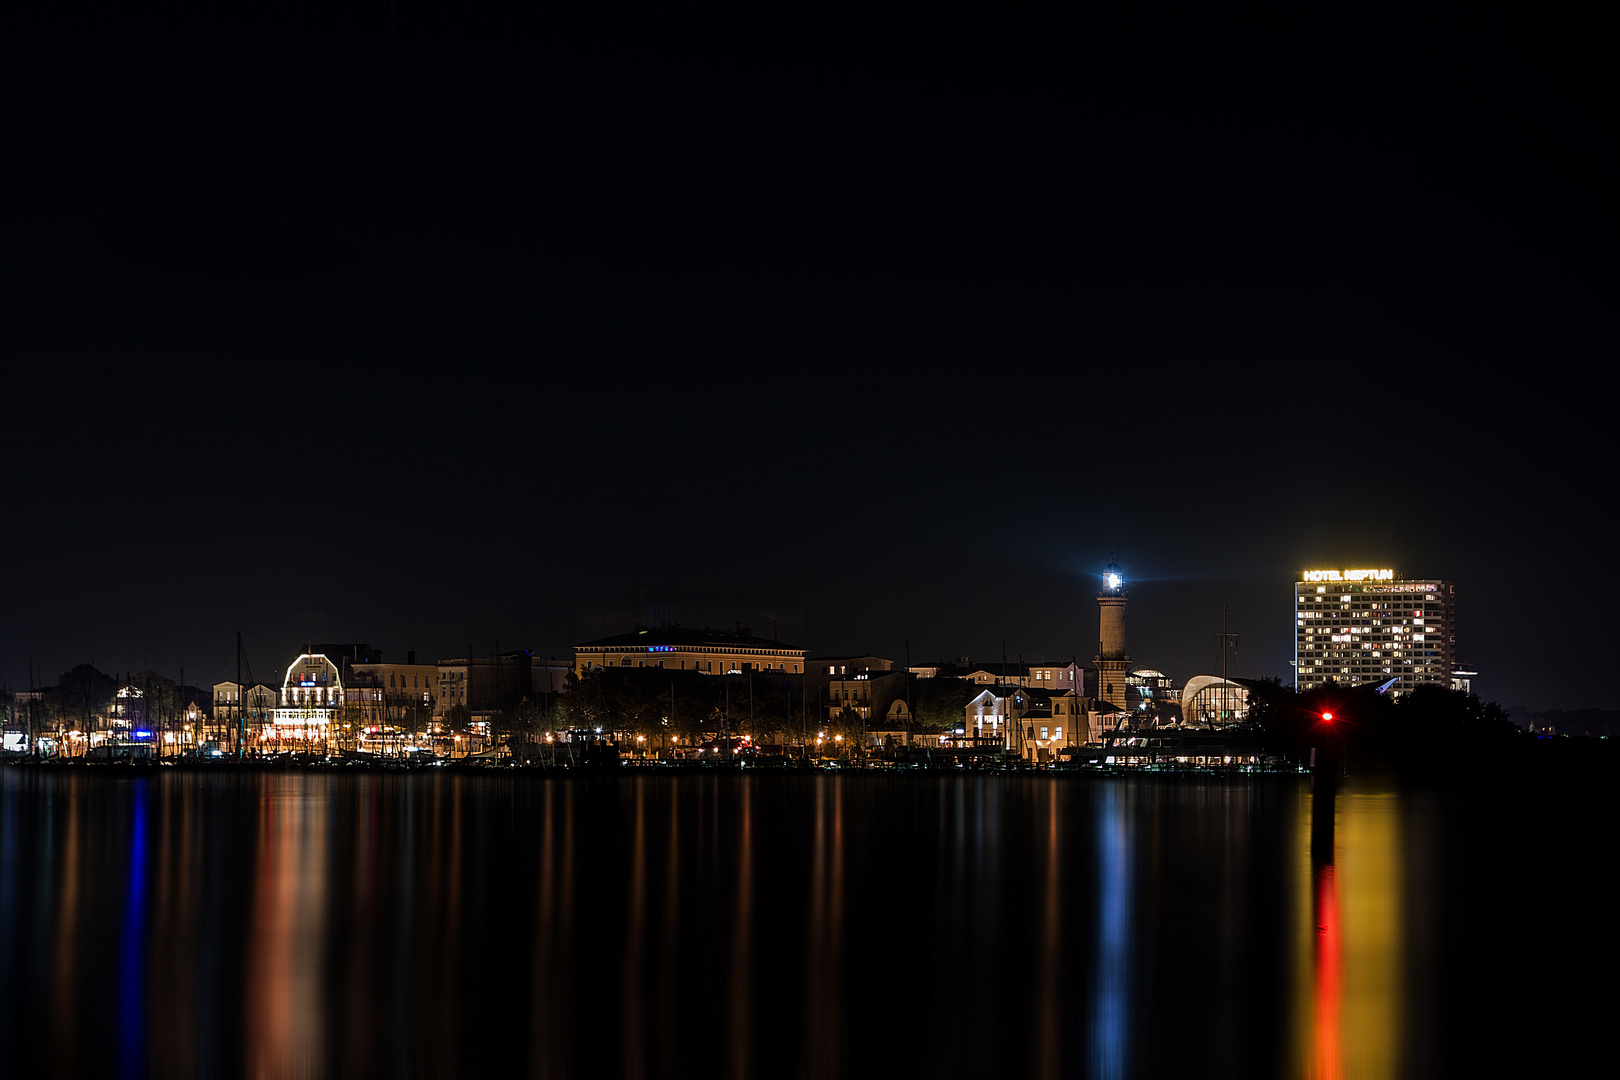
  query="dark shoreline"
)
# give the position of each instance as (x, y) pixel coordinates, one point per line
(1553, 762)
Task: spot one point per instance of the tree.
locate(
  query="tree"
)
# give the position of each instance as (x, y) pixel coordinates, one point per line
(942, 702)
(844, 731)
(583, 700)
(1434, 722)
(1272, 708)
(83, 695)
(772, 708)
(656, 703)
(457, 718)
(348, 722)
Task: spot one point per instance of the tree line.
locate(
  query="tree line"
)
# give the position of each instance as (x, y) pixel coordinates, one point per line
(1431, 725)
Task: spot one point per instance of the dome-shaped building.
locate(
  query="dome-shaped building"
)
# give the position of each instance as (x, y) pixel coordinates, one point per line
(1212, 700)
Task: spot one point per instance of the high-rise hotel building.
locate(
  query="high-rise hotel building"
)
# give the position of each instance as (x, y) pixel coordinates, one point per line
(1371, 626)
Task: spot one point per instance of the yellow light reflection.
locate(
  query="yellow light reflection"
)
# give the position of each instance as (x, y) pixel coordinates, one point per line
(287, 923)
(1370, 886)
(1348, 967)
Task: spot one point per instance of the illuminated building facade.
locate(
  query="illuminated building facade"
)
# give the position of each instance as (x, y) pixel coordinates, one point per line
(253, 704)
(311, 694)
(391, 695)
(1372, 626)
(712, 652)
(1155, 697)
(869, 694)
(1037, 725)
(1213, 701)
(1037, 675)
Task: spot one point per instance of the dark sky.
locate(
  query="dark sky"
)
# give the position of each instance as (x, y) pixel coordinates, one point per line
(892, 331)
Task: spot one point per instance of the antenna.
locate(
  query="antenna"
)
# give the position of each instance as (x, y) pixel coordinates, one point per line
(1226, 687)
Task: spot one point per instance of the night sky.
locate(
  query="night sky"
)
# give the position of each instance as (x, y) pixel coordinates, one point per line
(884, 334)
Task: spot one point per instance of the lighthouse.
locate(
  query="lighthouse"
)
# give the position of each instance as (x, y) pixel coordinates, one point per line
(1113, 662)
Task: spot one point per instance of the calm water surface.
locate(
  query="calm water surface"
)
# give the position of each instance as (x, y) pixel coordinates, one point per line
(174, 923)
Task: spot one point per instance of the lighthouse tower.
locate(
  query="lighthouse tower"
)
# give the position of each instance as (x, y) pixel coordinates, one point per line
(1113, 662)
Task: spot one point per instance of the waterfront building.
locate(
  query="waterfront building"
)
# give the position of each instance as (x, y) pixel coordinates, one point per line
(868, 694)
(1214, 701)
(679, 648)
(830, 667)
(484, 684)
(311, 694)
(345, 654)
(1034, 724)
(895, 730)
(1372, 626)
(1056, 675)
(1036, 674)
(1155, 698)
(251, 704)
(548, 677)
(1107, 719)
(866, 685)
(391, 695)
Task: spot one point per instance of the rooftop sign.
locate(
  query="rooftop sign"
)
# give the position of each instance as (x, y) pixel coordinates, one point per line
(1349, 575)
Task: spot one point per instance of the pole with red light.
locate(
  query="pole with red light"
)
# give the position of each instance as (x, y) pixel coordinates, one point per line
(1325, 765)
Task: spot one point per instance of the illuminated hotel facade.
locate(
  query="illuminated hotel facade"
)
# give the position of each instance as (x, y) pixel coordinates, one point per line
(1373, 626)
(311, 693)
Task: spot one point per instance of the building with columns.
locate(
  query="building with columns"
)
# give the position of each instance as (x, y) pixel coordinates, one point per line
(679, 648)
(311, 694)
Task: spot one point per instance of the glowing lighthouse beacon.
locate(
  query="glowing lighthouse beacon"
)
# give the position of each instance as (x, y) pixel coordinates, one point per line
(1113, 662)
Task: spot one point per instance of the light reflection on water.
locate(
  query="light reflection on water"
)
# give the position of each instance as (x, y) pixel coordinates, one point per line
(294, 925)
(1111, 996)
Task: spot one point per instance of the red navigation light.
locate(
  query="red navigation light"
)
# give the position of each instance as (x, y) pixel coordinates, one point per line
(1327, 717)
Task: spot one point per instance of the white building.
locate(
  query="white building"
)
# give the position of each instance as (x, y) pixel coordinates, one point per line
(1212, 700)
(311, 694)
(1034, 724)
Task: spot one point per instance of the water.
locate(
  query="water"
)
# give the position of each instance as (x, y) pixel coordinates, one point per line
(170, 923)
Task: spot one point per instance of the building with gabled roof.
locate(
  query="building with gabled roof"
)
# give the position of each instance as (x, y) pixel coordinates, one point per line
(1037, 725)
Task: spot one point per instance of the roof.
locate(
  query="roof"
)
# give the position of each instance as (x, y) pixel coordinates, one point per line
(1036, 696)
(686, 637)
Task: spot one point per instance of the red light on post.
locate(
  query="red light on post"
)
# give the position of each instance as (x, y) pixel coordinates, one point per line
(1327, 717)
